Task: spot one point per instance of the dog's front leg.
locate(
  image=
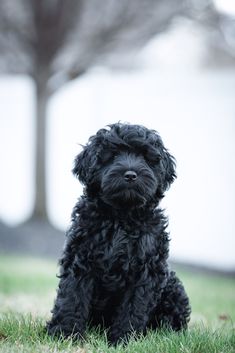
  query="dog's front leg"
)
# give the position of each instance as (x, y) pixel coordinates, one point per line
(72, 306)
(133, 313)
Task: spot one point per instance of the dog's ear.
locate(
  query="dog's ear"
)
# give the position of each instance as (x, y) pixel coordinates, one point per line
(81, 165)
(86, 161)
(168, 166)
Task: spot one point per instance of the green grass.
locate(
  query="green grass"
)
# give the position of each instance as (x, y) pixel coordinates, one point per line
(27, 275)
(27, 290)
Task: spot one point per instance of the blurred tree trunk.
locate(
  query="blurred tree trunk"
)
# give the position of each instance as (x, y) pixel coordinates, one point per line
(42, 97)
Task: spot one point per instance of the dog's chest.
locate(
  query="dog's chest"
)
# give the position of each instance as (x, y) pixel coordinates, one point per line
(121, 253)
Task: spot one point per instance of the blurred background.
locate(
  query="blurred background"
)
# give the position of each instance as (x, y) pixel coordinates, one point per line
(70, 67)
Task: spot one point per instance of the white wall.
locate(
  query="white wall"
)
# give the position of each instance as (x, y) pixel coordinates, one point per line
(195, 116)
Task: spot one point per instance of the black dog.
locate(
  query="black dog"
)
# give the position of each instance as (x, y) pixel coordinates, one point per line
(114, 270)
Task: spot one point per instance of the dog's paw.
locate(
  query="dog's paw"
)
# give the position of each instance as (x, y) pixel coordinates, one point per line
(116, 338)
(63, 332)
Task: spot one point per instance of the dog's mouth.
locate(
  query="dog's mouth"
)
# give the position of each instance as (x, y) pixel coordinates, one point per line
(125, 199)
(125, 196)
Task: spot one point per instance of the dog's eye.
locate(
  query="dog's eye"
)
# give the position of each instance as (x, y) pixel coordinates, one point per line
(105, 156)
(153, 160)
(152, 164)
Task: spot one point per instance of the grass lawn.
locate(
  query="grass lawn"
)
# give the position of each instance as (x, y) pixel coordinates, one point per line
(27, 290)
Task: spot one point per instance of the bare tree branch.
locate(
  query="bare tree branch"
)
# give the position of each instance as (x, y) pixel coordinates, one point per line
(66, 37)
(219, 28)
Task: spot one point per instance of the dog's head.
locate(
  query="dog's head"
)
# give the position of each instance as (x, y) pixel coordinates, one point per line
(125, 166)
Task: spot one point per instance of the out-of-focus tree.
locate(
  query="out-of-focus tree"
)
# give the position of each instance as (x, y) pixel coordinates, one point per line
(55, 41)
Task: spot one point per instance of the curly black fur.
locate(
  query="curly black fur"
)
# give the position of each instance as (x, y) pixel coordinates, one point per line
(114, 270)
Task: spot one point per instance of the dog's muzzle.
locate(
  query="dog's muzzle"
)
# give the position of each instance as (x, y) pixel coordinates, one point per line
(127, 182)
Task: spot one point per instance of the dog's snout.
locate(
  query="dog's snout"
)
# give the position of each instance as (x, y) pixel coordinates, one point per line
(130, 175)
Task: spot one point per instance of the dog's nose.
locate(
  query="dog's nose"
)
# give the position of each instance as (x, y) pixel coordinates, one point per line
(130, 175)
